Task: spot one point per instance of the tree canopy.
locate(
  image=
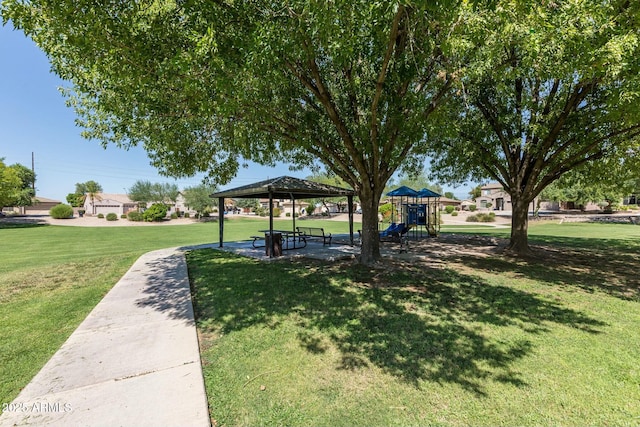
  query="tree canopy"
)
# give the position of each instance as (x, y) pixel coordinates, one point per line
(89, 189)
(148, 192)
(197, 197)
(555, 86)
(354, 85)
(519, 91)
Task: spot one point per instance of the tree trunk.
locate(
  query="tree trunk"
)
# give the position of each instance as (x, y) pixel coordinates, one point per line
(370, 249)
(519, 243)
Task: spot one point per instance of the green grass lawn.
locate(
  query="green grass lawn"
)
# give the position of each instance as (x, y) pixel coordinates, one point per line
(51, 277)
(482, 341)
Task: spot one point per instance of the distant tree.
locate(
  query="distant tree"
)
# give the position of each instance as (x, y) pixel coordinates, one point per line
(197, 198)
(75, 200)
(90, 190)
(141, 191)
(25, 194)
(329, 179)
(581, 187)
(16, 185)
(166, 192)
(9, 184)
(450, 195)
(147, 192)
(416, 181)
(475, 192)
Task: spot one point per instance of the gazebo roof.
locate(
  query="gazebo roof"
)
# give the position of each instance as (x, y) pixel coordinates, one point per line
(284, 187)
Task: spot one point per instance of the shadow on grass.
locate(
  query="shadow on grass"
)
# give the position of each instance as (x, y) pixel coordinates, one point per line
(414, 323)
(574, 263)
(10, 223)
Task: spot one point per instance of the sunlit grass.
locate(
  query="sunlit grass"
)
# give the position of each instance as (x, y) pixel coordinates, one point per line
(51, 277)
(483, 341)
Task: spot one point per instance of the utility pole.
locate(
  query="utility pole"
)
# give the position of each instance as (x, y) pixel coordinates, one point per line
(33, 170)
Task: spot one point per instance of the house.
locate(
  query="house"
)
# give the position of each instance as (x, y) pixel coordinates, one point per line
(103, 203)
(41, 206)
(285, 205)
(445, 201)
(494, 197)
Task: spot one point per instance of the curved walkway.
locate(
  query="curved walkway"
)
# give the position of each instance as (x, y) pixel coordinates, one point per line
(134, 361)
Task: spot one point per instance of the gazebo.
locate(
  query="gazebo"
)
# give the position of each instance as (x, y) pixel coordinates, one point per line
(284, 187)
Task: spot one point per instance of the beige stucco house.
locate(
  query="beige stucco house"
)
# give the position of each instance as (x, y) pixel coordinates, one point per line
(494, 197)
(104, 203)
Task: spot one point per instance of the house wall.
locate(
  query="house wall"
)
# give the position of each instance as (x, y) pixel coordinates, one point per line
(499, 199)
(118, 204)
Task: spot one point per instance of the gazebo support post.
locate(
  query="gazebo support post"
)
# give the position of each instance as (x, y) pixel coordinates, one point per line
(271, 222)
(350, 207)
(293, 214)
(221, 219)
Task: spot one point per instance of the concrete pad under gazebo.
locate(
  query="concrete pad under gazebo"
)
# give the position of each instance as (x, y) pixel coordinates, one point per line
(284, 187)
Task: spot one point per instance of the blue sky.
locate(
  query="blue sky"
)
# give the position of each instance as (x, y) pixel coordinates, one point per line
(35, 119)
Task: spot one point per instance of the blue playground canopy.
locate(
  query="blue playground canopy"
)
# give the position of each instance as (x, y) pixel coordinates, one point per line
(403, 191)
(425, 192)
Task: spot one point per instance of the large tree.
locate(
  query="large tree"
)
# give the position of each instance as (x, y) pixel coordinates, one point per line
(355, 85)
(16, 185)
(9, 184)
(555, 86)
(25, 194)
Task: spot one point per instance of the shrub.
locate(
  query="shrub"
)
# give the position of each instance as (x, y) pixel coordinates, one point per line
(61, 211)
(482, 217)
(112, 216)
(123, 216)
(288, 214)
(454, 213)
(157, 212)
(387, 211)
(472, 208)
(100, 215)
(449, 209)
(134, 216)
(174, 216)
(276, 212)
(186, 215)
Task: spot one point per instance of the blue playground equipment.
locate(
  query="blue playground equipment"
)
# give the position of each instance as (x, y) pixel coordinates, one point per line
(418, 216)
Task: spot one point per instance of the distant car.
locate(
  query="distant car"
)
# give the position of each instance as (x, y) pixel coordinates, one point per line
(359, 211)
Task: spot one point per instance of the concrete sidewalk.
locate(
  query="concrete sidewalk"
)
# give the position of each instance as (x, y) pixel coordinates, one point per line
(134, 361)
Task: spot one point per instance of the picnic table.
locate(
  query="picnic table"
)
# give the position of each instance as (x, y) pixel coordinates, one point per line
(290, 239)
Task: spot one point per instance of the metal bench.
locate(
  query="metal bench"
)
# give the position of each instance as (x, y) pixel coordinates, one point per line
(314, 232)
(255, 239)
